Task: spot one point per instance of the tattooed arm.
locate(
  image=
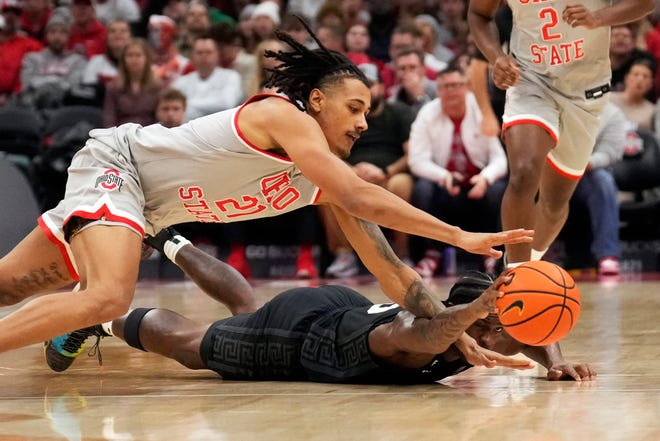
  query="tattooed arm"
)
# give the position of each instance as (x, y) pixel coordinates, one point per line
(398, 281)
(412, 342)
(410, 334)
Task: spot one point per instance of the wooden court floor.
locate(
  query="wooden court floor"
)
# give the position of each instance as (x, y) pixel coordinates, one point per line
(140, 396)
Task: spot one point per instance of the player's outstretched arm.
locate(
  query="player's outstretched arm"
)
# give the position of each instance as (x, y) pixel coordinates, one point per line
(398, 281)
(409, 334)
(551, 358)
(277, 124)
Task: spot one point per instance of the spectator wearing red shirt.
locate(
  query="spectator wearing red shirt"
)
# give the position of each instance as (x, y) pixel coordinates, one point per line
(404, 36)
(34, 18)
(13, 46)
(87, 33)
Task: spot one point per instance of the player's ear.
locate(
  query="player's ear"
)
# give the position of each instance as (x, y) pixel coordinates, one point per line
(316, 100)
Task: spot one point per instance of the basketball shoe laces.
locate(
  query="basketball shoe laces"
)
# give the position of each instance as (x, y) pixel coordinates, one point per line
(72, 346)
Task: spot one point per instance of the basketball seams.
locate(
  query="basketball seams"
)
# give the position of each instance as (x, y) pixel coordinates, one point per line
(536, 270)
(550, 331)
(539, 313)
(533, 325)
(533, 291)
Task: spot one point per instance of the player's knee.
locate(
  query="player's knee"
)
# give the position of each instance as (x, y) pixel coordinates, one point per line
(108, 303)
(523, 174)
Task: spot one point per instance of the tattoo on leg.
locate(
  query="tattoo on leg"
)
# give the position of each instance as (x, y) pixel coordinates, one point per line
(40, 279)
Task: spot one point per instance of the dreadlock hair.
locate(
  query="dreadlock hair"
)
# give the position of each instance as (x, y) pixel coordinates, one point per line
(301, 70)
(468, 288)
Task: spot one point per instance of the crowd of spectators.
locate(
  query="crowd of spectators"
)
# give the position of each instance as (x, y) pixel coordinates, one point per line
(170, 61)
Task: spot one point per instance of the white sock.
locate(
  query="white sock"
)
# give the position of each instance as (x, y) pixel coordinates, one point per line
(107, 328)
(173, 245)
(538, 255)
(513, 264)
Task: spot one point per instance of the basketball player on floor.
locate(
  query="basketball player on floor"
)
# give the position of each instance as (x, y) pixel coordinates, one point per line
(272, 155)
(328, 333)
(556, 77)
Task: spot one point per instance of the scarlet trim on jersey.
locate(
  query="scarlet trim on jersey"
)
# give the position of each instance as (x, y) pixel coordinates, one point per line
(317, 195)
(526, 119)
(62, 245)
(562, 172)
(244, 139)
(105, 212)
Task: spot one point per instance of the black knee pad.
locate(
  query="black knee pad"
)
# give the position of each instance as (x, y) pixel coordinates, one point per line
(132, 327)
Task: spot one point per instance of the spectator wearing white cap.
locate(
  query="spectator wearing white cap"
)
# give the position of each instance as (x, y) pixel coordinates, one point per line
(265, 19)
(109, 10)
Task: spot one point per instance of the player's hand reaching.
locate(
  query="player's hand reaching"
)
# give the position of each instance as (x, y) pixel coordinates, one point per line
(571, 371)
(479, 356)
(578, 15)
(486, 303)
(483, 243)
(505, 72)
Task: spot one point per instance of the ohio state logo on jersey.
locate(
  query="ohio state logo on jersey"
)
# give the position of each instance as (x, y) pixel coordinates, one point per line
(110, 180)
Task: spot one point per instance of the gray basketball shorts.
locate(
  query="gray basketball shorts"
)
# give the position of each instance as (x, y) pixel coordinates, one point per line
(572, 123)
(102, 188)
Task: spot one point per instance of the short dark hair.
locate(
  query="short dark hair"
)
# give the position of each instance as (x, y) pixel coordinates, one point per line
(408, 27)
(452, 68)
(468, 288)
(644, 61)
(172, 94)
(225, 33)
(408, 50)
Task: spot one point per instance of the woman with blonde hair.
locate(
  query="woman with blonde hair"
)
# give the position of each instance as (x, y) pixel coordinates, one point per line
(261, 74)
(133, 95)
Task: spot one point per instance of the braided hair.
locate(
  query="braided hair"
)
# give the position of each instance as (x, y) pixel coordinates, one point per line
(301, 70)
(468, 288)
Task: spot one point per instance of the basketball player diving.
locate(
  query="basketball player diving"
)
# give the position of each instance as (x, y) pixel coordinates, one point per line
(325, 334)
(273, 154)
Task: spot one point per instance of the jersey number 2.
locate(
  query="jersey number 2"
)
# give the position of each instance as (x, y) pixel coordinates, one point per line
(551, 19)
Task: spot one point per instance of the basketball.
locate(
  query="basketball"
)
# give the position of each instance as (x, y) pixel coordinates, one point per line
(540, 305)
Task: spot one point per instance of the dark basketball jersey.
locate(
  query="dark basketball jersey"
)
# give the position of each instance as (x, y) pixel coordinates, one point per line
(311, 334)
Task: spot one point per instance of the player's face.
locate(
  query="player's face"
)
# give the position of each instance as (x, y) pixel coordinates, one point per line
(490, 334)
(342, 114)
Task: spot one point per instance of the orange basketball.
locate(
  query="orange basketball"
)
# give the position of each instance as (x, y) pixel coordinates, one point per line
(540, 304)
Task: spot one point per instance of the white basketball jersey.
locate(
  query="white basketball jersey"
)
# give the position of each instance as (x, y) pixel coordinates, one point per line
(206, 171)
(569, 60)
